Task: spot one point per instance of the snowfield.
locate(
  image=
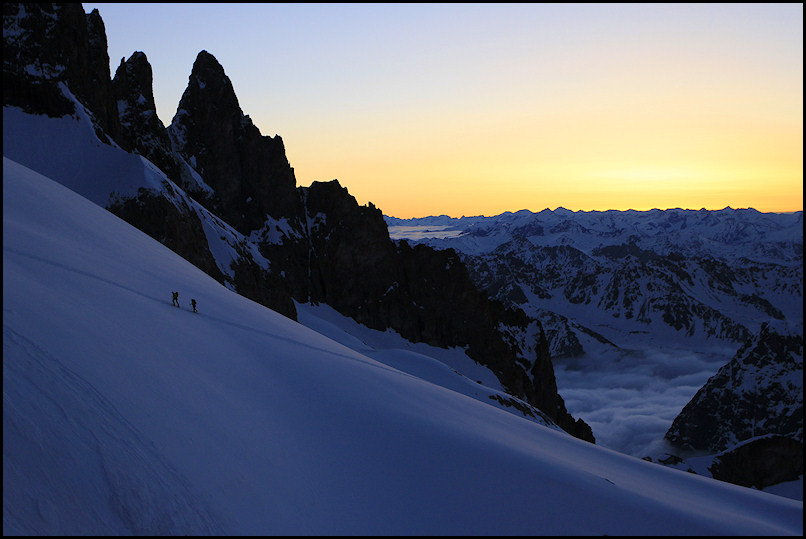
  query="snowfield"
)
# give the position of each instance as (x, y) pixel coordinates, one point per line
(123, 414)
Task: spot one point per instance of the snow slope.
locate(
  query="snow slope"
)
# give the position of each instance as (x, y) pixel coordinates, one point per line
(123, 414)
(68, 151)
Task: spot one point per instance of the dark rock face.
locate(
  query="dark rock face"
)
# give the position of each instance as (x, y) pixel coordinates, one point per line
(546, 392)
(751, 411)
(98, 89)
(141, 128)
(262, 286)
(760, 463)
(178, 228)
(172, 222)
(346, 260)
(760, 391)
(248, 172)
(48, 44)
(350, 252)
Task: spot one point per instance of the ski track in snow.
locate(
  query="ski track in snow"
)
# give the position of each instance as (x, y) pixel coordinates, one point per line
(350, 356)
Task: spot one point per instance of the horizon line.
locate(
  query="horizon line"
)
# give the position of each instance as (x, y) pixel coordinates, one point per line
(563, 209)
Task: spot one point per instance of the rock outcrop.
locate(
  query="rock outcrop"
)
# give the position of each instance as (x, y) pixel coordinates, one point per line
(750, 413)
(48, 44)
(760, 463)
(141, 128)
(759, 392)
(248, 173)
(175, 225)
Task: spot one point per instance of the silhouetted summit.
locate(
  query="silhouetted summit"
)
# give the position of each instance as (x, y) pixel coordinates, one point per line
(249, 173)
(141, 128)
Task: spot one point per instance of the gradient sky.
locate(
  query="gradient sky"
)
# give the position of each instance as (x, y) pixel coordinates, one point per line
(478, 109)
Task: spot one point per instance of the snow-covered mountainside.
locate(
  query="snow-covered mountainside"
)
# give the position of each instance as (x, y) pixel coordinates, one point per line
(123, 414)
(749, 416)
(224, 197)
(68, 151)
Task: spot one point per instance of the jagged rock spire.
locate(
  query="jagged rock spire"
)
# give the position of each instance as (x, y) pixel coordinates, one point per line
(248, 172)
(141, 128)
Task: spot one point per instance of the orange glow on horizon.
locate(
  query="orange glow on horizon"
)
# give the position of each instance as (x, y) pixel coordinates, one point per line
(479, 109)
(645, 147)
(474, 174)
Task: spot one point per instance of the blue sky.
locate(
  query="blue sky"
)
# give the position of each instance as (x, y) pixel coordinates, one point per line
(484, 108)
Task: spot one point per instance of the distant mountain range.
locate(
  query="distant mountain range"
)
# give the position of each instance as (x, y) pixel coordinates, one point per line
(605, 282)
(614, 274)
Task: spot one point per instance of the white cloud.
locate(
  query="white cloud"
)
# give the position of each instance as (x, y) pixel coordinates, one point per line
(631, 400)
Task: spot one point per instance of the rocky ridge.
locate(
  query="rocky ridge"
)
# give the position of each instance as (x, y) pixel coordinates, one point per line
(285, 242)
(759, 392)
(141, 128)
(248, 174)
(749, 415)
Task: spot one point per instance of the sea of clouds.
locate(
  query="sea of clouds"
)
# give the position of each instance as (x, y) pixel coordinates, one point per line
(630, 399)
